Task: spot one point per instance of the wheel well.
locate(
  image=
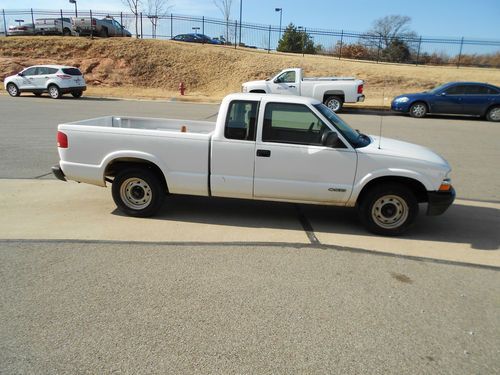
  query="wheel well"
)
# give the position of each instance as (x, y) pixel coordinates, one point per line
(117, 165)
(258, 91)
(415, 186)
(329, 94)
(420, 101)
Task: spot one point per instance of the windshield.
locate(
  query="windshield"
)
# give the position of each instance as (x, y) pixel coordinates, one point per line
(355, 138)
(438, 89)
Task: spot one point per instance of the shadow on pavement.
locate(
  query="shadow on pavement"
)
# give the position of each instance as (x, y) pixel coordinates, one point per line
(477, 226)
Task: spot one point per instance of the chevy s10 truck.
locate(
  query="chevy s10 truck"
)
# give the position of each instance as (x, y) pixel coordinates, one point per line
(266, 147)
(332, 91)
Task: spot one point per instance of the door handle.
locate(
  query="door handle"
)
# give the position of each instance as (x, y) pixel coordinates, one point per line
(264, 153)
(292, 86)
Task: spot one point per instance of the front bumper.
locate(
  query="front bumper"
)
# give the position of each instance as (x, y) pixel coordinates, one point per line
(57, 171)
(400, 107)
(439, 201)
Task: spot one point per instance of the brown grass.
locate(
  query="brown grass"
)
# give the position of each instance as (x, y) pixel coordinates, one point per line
(153, 68)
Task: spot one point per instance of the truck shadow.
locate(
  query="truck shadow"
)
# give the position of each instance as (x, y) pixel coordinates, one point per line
(466, 224)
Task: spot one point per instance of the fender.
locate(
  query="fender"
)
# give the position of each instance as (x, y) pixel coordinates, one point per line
(122, 154)
(360, 183)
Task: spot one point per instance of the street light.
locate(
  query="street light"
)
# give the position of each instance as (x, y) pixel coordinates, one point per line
(76, 9)
(196, 28)
(19, 22)
(281, 16)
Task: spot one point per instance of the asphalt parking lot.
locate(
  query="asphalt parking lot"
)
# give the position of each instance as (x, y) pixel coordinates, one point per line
(220, 285)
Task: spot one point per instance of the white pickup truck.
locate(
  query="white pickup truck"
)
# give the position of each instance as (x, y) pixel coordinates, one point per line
(267, 147)
(333, 91)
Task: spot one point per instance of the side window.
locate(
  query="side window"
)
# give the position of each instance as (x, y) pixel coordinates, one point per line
(241, 120)
(51, 71)
(292, 123)
(29, 72)
(456, 90)
(477, 90)
(41, 70)
(287, 77)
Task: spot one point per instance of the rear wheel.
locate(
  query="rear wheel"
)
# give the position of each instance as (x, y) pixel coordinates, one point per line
(334, 103)
(418, 110)
(138, 192)
(54, 92)
(493, 114)
(388, 209)
(66, 32)
(13, 90)
(77, 94)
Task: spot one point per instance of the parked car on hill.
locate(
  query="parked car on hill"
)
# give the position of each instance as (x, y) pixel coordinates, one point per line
(23, 29)
(332, 91)
(453, 98)
(54, 26)
(104, 27)
(54, 79)
(196, 38)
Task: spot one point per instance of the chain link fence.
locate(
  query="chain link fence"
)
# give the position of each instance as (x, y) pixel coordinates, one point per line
(340, 44)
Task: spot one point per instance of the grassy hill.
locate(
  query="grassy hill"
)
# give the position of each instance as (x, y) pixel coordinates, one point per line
(153, 68)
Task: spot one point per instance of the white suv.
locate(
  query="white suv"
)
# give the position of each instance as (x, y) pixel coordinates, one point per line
(54, 79)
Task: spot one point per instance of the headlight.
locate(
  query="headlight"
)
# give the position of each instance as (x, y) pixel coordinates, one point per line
(401, 99)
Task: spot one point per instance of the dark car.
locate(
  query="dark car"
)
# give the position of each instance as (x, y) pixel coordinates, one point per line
(454, 98)
(195, 38)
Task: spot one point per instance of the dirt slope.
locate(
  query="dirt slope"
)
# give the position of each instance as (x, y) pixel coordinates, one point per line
(154, 68)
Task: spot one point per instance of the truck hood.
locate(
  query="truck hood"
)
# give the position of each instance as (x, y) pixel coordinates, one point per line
(400, 149)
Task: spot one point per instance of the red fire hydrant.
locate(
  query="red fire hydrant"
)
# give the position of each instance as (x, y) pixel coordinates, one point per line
(182, 88)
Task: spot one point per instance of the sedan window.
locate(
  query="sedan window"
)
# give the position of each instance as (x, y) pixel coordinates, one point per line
(456, 90)
(478, 90)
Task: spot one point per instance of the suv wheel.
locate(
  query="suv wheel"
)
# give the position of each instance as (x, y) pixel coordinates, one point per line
(54, 92)
(13, 90)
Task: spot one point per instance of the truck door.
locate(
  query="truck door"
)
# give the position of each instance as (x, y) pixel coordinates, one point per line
(232, 156)
(286, 83)
(292, 164)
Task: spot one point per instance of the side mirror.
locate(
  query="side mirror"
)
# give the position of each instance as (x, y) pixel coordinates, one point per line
(329, 138)
(443, 94)
(20, 74)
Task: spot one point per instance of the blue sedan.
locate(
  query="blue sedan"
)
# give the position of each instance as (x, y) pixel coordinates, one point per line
(454, 98)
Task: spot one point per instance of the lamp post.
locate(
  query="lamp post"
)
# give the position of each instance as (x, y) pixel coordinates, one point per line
(241, 10)
(76, 8)
(281, 16)
(196, 28)
(19, 22)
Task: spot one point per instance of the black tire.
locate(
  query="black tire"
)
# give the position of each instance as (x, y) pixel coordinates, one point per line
(388, 209)
(66, 32)
(13, 90)
(77, 94)
(54, 92)
(138, 192)
(493, 114)
(104, 32)
(418, 110)
(335, 103)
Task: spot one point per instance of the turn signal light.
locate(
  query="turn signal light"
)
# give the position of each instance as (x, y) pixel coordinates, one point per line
(62, 140)
(445, 187)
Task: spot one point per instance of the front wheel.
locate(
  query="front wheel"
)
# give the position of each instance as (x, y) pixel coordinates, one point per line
(138, 192)
(418, 110)
(13, 90)
(493, 114)
(54, 92)
(334, 103)
(388, 209)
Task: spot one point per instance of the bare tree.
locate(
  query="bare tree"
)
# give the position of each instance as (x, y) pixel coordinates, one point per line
(134, 8)
(157, 9)
(390, 28)
(225, 8)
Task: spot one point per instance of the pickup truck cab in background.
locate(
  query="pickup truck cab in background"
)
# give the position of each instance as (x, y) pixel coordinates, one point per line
(332, 91)
(103, 27)
(266, 147)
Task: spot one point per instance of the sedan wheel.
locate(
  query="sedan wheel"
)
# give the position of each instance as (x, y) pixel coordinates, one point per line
(493, 114)
(418, 110)
(13, 90)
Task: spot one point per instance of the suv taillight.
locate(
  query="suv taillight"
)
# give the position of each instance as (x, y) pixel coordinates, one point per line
(62, 140)
(360, 89)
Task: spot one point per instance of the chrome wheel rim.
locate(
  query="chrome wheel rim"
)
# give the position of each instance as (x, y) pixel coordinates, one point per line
(390, 211)
(333, 104)
(418, 110)
(495, 114)
(54, 92)
(136, 193)
(12, 90)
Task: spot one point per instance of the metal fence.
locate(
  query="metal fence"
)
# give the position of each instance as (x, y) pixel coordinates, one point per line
(341, 44)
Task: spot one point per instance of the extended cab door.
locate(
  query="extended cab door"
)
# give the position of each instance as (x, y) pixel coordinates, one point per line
(292, 164)
(232, 155)
(287, 83)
